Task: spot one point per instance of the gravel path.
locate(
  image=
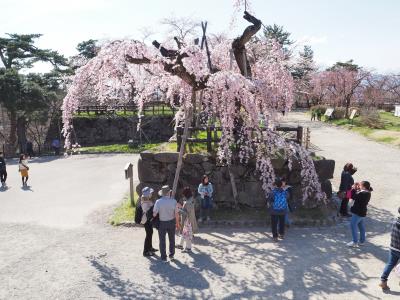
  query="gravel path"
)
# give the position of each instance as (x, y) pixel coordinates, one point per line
(68, 260)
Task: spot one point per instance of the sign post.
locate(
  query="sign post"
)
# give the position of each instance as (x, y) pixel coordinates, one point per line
(397, 110)
(329, 112)
(129, 175)
(352, 115)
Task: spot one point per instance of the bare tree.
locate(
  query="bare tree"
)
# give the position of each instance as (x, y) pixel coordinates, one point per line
(181, 28)
(146, 32)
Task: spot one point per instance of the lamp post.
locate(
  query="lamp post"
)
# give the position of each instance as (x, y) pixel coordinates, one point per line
(129, 175)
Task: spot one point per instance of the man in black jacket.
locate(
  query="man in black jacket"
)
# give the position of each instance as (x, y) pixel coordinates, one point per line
(394, 255)
(3, 170)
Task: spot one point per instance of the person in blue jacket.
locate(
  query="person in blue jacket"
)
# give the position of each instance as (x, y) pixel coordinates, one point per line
(206, 191)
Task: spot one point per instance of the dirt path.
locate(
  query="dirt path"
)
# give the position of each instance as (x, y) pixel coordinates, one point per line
(97, 261)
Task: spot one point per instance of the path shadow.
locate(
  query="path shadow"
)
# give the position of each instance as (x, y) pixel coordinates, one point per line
(112, 283)
(309, 262)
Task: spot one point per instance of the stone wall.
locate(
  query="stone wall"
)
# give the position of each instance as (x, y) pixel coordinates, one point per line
(113, 130)
(158, 169)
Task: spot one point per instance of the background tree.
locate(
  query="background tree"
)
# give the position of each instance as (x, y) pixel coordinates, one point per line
(18, 94)
(302, 72)
(282, 36)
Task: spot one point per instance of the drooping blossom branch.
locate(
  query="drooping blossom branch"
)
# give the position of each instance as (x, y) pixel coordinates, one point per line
(127, 70)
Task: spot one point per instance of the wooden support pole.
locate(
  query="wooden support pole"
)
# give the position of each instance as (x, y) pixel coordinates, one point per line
(129, 175)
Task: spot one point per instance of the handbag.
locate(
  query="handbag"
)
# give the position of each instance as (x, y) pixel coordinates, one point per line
(349, 194)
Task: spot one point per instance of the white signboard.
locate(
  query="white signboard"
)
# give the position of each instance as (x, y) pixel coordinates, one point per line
(397, 110)
(353, 114)
(329, 112)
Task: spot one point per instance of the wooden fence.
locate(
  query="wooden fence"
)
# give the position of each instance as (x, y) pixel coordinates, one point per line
(150, 108)
(302, 135)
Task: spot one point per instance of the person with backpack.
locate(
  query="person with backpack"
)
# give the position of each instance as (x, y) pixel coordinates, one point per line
(3, 171)
(361, 194)
(278, 200)
(289, 210)
(394, 253)
(23, 169)
(146, 205)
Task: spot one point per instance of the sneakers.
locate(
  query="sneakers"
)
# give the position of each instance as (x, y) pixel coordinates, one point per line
(275, 239)
(153, 250)
(281, 237)
(148, 254)
(384, 286)
(361, 244)
(171, 257)
(352, 244)
(179, 247)
(187, 250)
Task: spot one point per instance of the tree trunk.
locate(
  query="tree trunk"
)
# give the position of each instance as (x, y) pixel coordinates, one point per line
(347, 107)
(12, 138)
(188, 120)
(21, 134)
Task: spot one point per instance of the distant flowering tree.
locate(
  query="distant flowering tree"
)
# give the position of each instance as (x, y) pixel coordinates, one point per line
(340, 85)
(247, 79)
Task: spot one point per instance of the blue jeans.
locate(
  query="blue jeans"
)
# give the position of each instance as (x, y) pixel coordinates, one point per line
(394, 257)
(357, 221)
(206, 205)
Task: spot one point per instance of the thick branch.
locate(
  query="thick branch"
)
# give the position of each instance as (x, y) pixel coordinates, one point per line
(239, 44)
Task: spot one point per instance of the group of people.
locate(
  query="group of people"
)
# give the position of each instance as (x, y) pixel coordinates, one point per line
(169, 217)
(360, 194)
(22, 168)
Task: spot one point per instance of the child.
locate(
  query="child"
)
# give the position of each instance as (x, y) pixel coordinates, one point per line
(188, 220)
(205, 190)
(278, 199)
(23, 168)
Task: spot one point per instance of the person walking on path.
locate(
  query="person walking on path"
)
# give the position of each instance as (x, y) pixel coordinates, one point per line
(147, 208)
(346, 183)
(29, 149)
(188, 220)
(3, 170)
(23, 169)
(278, 207)
(205, 190)
(361, 194)
(56, 146)
(165, 208)
(394, 253)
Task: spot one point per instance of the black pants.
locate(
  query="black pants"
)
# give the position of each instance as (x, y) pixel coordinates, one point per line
(3, 176)
(167, 227)
(148, 241)
(343, 206)
(278, 221)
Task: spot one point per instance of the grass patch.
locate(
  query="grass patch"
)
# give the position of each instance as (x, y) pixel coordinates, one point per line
(125, 212)
(386, 135)
(119, 148)
(386, 139)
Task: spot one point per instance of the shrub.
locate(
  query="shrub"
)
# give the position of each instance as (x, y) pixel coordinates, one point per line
(318, 109)
(339, 113)
(371, 119)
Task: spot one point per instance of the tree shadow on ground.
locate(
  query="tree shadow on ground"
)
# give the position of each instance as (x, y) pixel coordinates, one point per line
(243, 263)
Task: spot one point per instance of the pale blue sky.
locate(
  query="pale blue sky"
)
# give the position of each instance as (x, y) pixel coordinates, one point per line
(366, 31)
